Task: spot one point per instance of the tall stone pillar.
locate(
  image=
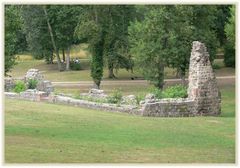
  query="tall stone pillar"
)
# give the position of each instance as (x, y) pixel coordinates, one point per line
(203, 87)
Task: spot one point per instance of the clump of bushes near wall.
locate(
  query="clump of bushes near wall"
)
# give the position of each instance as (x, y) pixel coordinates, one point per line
(19, 87)
(176, 91)
(32, 84)
(115, 97)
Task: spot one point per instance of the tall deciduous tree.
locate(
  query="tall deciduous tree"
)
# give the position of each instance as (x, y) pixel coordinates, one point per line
(64, 19)
(222, 16)
(91, 27)
(151, 42)
(12, 26)
(106, 29)
(196, 22)
(116, 47)
(60, 66)
(229, 50)
(36, 30)
(165, 35)
(50, 29)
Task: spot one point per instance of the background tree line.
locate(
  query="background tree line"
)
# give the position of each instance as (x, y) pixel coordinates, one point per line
(150, 37)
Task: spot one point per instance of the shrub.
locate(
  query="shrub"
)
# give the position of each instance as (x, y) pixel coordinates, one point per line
(19, 87)
(115, 97)
(177, 91)
(157, 92)
(75, 65)
(140, 97)
(32, 84)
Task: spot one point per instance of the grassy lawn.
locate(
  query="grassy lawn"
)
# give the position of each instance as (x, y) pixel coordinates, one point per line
(47, 133)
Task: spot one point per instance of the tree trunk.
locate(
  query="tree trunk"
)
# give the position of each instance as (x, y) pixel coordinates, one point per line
(63, 52)
(160, 79)
(110, 71)
(60, 66)
(96, 85)
(68, 59)
(51, 58)
(111, 74)
(182, 77)
(161, 76)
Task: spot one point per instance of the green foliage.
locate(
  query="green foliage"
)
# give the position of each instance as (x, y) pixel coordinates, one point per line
(116, 45)
(222, 16)
(150, 42)
(140, 97)
(230, 27)
(38, 37)
(32, 83)
(19, 87)
(115, 97)
(177, 91)
(105, 28)
(12, 28)
(91, 27)
(229, 49)
(63, 20)
(164, 38)
(157, 92)
(229, 55)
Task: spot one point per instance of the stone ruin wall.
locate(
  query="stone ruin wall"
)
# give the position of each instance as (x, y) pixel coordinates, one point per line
(203, 94)
(203, 88)
(169, 108)
(42, 85)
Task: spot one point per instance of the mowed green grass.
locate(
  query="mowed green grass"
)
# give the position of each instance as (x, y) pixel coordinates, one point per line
(48, 133)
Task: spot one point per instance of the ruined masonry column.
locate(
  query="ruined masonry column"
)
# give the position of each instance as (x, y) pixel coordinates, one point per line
(203, 87)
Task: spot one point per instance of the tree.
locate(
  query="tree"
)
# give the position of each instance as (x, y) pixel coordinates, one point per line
(60, 65)
(116, 47)
(222, 16)
(64, 19)
(91, 27)
(164, 38)
(105, 28)
(36, 30)
(229, 49)
(50, 29)
(12, 27)
(192, 23)
(151, 42)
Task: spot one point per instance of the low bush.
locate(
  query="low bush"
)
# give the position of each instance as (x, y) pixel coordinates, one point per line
(32, 84)
(115, 97)
(19, 87)
(177, 91)
(157, 92)
(140, 97)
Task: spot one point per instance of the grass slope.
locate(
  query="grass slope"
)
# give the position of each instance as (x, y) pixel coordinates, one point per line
(47, 133)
